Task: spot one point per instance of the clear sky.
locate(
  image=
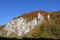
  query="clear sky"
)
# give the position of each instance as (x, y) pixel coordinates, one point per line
(13, 8)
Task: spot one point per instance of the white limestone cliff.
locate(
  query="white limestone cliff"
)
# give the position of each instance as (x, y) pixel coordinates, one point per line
(20, 26)
(48, 16)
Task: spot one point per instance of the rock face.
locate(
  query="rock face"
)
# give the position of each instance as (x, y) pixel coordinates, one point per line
(20, 26)
(27, 24)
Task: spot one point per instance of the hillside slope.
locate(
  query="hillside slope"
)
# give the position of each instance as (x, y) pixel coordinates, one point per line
(37, 24)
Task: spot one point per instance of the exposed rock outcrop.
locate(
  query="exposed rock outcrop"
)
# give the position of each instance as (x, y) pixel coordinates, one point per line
(24, 24)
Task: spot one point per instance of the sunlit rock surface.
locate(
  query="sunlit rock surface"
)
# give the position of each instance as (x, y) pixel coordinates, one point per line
(22, 26)
(38, 24)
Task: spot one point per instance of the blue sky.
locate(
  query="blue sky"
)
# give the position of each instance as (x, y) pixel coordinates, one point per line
(13, 8)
